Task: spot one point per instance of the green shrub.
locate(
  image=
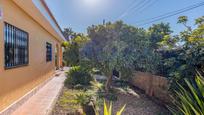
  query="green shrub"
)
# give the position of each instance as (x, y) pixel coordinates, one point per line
(85, 63)
(87, 100)
(191, 98)
(71, 55)
(83, 98)
(78, 76)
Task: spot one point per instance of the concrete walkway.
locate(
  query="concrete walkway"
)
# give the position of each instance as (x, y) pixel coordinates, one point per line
(43, 101)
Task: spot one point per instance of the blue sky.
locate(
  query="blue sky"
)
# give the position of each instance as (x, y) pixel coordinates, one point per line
(79, 14)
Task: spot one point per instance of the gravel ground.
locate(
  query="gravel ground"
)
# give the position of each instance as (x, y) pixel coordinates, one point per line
(138, 106)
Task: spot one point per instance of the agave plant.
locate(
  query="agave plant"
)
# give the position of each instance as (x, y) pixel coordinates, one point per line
(108, 109)
(191, 98)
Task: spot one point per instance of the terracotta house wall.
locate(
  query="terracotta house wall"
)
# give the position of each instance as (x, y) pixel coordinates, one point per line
(153, 85)
(60, 57)
(16, 82)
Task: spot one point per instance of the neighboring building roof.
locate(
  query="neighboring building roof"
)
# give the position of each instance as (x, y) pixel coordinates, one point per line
(40, 12)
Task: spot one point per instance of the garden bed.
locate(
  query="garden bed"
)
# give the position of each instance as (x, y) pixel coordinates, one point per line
(137, 103)
(66, 105)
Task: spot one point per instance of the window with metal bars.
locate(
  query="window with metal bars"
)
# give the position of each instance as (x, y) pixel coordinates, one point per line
(16, 46)
(48, 52)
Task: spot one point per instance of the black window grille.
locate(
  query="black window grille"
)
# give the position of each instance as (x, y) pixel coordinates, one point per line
(16, 46)
(48, 52)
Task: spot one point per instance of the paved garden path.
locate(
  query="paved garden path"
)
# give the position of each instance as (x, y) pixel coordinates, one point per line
(43, 101)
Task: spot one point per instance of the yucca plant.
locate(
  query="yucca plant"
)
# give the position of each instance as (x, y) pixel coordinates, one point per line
(108, 109)
(191, 98)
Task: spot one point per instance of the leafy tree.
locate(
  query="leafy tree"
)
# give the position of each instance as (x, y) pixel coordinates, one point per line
(71, 54)
(188, 48)
(183, 20)
(68, 33)
(72, 49)
(157, 32)
(65, 44)
(121, 47)
(199, 21)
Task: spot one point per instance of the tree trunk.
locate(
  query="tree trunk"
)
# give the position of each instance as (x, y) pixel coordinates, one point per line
(108, 83)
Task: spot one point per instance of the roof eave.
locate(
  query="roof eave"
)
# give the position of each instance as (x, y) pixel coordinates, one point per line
(39, 11)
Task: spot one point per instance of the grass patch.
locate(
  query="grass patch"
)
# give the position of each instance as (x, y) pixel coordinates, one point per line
(67, 101)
